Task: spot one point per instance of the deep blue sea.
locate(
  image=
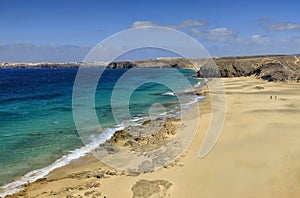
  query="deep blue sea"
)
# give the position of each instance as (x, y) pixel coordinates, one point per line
(36, 119)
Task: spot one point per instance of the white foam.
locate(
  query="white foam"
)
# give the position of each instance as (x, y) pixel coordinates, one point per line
(16, 186)
(163, 114)
(169, 94)
(135, 119)
(196, 100)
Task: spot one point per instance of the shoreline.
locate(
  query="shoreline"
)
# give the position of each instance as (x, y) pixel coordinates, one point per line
(85, 153)
(88, 166)
(257, 154)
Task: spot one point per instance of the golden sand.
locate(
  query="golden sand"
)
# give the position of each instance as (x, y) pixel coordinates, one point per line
(257, 155)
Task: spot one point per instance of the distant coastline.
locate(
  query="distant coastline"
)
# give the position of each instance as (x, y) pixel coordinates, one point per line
(266, 67)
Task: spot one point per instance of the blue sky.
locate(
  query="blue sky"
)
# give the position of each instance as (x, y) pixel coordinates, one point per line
(66, 30)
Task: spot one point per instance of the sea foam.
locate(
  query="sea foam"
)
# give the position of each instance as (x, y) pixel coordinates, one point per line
(16, 186)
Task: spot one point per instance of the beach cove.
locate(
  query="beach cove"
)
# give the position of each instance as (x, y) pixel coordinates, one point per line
(257, 154)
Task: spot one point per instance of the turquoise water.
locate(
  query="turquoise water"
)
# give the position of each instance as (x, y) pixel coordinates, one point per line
(36, 120)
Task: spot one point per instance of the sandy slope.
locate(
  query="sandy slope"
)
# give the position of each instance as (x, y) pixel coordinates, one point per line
(257, 155)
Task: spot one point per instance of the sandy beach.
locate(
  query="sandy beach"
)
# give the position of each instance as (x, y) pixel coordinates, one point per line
(257, 154)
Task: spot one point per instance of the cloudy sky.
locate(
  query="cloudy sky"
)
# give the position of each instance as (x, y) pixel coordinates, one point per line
(64, 30)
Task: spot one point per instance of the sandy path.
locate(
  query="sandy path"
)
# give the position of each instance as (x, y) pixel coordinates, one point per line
(297, 60)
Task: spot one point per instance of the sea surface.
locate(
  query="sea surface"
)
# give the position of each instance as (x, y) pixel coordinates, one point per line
(37, 130)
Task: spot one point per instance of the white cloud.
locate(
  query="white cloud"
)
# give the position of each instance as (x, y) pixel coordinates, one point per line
(222, 32)
(197, 32)
(182, 25)
(192, 23)
(139, 24)
(260, 39)
(255, 45)
(217, 34)
(285, 26)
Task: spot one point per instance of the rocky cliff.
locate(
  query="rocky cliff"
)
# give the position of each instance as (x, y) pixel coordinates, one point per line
(270, 68)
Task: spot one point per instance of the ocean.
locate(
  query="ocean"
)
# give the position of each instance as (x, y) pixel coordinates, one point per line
(37, 129)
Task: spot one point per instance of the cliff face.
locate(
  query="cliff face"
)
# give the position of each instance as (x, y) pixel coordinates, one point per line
(276, 72)
(270, 68)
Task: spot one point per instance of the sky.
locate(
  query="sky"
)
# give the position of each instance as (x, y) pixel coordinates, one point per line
(66, 30)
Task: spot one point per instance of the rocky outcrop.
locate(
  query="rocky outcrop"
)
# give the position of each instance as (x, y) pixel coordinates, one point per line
(165, 63)
(208, 71)
(121, 65)
(147, 188)
(225, 69)
(270, 68)
(276, 72)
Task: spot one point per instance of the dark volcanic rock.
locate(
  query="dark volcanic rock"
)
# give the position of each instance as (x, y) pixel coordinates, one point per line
(208, 71)
(234, 68)
(121, 65)
(274, 72)
(281, 68)
(225, 68)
